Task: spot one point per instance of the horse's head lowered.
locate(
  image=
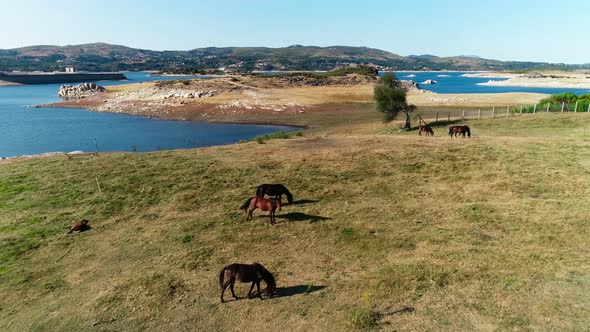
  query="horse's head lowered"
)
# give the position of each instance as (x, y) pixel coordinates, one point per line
(268, 278)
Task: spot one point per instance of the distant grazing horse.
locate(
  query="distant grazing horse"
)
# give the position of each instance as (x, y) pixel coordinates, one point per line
(427, 130)
(459, 130)
(253, 273)
(274, 190)
(263, 204)
(79, 226)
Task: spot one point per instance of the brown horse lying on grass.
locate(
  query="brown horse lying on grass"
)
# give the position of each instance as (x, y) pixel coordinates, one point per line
(263, 204)
(253, 273)
(79, 226)
(427, 130)
(459, 130)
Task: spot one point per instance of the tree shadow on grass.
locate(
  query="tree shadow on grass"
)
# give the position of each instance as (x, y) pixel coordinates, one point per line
(299, 216)
(295, 290)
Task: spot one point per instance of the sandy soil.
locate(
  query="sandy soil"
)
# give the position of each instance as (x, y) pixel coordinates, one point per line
(545, 79)
(5, 83)
(475, 99)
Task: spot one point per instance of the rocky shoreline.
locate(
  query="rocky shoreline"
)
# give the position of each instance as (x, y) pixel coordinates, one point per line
(247, 99)
(81, 90)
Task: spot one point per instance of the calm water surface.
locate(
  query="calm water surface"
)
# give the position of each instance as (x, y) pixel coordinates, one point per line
(454, 82)
(26, 131)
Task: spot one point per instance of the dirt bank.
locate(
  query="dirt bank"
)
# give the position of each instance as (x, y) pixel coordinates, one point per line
(257, 99)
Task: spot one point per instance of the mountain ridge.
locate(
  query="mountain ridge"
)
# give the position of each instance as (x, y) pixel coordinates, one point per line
(110, 57)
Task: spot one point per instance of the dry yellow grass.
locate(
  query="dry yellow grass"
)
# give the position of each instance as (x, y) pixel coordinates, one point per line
(392, 232)
(475, 99)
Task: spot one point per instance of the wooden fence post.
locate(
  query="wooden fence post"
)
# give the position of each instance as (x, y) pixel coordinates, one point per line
(436, 117)
(507, 110)
(449, 118)
(98, 185)
(562, 106)
(548, 105)
(479, 114)
(576, 108)
(493, 111)
(588, 108)
(463, 116)
(535, 109)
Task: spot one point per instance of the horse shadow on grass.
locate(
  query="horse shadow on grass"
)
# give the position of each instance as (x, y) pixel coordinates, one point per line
(401, 310)
(296, 290)
(299, 216)
(304, 201)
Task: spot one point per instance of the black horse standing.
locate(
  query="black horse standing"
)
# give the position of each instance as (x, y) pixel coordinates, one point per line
(254, 273)
(274, 190)
(459, 130)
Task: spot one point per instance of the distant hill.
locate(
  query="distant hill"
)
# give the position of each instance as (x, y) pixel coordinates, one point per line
(107, 57)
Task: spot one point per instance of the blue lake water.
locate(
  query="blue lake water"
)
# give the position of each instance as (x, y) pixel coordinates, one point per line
(26, 131)
(453, 82)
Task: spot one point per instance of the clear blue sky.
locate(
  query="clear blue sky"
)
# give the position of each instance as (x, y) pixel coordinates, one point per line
(541, 30)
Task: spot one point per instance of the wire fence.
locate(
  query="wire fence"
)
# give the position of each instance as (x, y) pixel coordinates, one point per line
(448, 115)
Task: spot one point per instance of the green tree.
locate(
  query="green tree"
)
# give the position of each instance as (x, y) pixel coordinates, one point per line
(390, 96)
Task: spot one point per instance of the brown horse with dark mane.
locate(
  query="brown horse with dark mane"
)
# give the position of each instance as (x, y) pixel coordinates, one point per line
(263, 204)
(79, 226)
(253, 273)
(427, 130)
(459, 130)
(274, 190)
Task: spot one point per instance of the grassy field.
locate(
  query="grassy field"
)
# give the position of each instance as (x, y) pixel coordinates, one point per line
(388, 231)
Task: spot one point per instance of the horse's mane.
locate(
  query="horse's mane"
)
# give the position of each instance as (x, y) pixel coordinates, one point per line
(285, 189)
(267, 276)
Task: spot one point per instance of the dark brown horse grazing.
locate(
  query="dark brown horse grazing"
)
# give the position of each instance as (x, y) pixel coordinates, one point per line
(427, 130)
(274, 190)
(263, 204)
(459, 130)
(79, 226)
(253, 273)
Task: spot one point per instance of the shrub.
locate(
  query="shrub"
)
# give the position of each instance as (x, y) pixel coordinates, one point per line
(363, 318)
(280, 134)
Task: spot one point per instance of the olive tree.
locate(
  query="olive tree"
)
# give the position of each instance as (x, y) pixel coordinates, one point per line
(390, 96)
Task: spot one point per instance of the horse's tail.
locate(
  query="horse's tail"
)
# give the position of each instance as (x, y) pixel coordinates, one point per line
(279, 204)
(247, 204)
(468, 131)
(221, 277)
